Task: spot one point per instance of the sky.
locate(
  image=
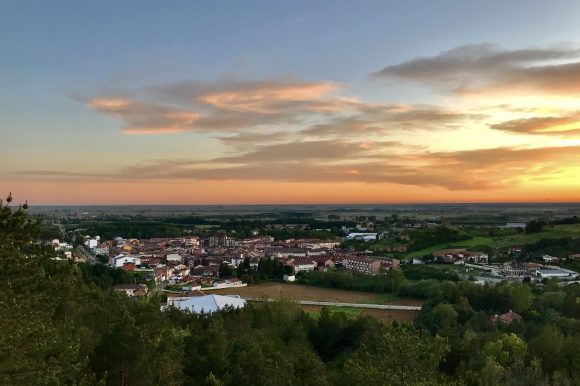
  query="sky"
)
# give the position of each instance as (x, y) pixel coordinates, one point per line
(289, 102)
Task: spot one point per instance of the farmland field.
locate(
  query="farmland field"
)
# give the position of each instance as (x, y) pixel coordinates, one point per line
(386, 316)
(305, 292)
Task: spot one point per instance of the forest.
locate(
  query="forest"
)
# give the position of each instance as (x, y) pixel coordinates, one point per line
(60, 325)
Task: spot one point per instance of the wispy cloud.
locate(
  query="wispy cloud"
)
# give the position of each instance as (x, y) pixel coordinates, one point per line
(565, 125)
(484, 67)
(336, 161)
(249, 139)
(205, 107)
(382, 119)
(146, 118)
(310, 108)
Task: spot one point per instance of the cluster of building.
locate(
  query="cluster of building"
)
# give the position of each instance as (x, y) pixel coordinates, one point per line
(193, 301)
(64, 248)
(461, 256)
(519, 270)
(508, 270)
(197, 261)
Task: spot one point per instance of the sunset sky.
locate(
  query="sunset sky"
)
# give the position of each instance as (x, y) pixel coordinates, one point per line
(233, 102)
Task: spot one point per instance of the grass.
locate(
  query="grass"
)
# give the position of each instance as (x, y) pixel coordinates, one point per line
(427, 251)
(474, 241)
(203, 226)
(350, 312)
(555, 232)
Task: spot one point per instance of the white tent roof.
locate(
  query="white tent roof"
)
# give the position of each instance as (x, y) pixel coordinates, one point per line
(210, 303)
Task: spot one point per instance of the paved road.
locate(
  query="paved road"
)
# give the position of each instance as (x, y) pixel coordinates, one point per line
(563, 283)
(89, 256)
(353, 305)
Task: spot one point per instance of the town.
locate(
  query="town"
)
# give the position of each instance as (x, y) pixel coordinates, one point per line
(190, 265)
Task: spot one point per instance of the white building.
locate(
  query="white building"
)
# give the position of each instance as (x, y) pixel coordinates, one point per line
(289, 278)
(118, 261)
(207, 304)
(361, 236)
(228, 283)
(558, 273)
(549, 259)
(173, 257)
(91, 243)
(192, 241)
(101, 250)
(515, 225)
(237, 260)
(289, 252)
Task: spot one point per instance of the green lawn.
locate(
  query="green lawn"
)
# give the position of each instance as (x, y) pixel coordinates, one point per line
(555, 232)
(427, 251)
(465, 243)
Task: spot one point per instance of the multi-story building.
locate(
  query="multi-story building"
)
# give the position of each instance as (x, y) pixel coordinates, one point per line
(301, 264)
(362, 264)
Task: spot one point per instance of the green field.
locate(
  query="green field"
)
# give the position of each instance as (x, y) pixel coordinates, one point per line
(348, 311)
(203, 226)
(552, 232)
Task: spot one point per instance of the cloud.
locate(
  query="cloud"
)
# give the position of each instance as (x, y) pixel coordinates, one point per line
(484, 67)
(306, 151)
(269, 98)
(340, 161)
(382, 119)
(250, 139)
(146, 118)
(58, 173)
(266, 107)
(220, 106)
(567, 125)
(192, 91)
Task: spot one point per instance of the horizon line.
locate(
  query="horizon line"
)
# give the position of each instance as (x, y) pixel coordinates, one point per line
(328, 204)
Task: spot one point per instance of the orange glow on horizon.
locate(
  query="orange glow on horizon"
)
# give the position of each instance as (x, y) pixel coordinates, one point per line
(255, 193)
